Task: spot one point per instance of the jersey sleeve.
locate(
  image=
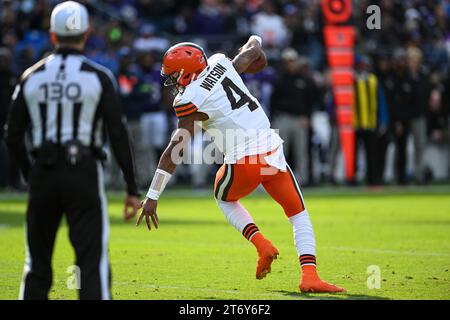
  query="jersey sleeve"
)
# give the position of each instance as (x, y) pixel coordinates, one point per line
(17, 125)
(216, 58)
(183, 105)
(185, 109)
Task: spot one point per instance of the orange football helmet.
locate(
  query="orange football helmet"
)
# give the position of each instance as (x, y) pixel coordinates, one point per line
(182, 63)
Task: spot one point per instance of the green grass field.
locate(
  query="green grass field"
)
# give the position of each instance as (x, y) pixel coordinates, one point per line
(195, 254)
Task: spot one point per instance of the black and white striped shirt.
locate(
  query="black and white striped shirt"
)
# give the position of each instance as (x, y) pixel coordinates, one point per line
(68, 97)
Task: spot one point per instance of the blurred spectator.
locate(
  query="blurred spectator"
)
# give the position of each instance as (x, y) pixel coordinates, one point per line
(107, 59)
(8, 18)
(9, 174)
(31, 47)
(182, 23)
(7, 83)
(437, 55)
(270, 26)
(241, 14)
(209, 18)
(261, 86)
(386, 77)
(305, 25)
(446, 111)
(291, 105)
(330, 108)
(371, 120)
(154, 121)
(96, 42)
(148, 41)
(438, 113)
(156, 11)
(409, 110)
(131, 102)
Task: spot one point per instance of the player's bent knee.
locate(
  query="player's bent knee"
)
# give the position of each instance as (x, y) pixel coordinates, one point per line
(293, 209)
(223, 203)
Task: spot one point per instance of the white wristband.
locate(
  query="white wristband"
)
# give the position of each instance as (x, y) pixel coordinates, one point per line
(159, 182)
(257, 38)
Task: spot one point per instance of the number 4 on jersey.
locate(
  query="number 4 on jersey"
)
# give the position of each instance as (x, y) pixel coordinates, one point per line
(229, 87)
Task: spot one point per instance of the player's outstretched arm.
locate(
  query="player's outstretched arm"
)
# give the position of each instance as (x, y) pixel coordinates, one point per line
(248, 53)
(167, 165)
(181, 137)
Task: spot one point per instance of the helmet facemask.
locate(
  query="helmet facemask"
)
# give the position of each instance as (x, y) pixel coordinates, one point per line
(172, 80)
(175, 79)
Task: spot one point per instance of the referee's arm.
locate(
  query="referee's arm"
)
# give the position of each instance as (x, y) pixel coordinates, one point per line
(118, 136)
(17, 125)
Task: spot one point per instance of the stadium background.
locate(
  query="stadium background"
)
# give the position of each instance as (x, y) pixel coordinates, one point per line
(130, 36)
(402, 230)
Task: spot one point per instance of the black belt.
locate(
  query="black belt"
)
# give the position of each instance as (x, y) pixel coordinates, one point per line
(72, 151)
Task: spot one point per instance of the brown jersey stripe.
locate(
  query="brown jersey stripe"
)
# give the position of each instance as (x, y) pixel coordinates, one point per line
(184, 107)
(187, 112)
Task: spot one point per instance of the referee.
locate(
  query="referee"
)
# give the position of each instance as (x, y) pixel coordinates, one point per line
(66, 102)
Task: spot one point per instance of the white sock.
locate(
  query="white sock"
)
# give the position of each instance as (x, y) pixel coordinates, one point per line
(238, 217)
(304, 239)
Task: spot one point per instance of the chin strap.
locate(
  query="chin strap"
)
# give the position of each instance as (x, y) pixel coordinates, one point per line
(194, 77)
(180, 75)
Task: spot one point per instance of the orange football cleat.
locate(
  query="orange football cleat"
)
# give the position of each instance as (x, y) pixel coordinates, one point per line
(266, 254)
(311, 282)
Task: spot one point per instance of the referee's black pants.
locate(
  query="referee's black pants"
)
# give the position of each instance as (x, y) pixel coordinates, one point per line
(79, 193)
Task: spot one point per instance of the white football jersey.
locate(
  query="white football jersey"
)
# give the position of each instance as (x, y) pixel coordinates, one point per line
(237, 122)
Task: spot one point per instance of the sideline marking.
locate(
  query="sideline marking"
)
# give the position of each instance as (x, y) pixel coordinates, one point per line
(381, 251)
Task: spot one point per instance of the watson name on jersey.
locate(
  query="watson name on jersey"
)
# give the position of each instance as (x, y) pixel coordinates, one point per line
(237, 121)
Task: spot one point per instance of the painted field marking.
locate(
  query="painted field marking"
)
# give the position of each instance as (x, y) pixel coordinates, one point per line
(382, 251)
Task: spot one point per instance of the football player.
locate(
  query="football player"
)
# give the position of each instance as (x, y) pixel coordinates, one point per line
(212, 92)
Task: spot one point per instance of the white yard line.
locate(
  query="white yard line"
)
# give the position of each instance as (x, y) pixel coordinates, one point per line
(382, 251)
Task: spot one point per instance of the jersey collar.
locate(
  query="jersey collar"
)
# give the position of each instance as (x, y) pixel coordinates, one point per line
(203, 73)
(66, 51)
